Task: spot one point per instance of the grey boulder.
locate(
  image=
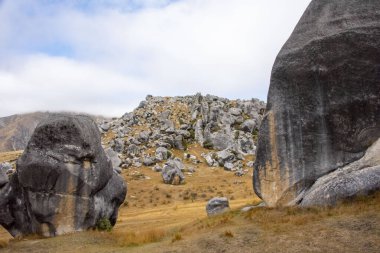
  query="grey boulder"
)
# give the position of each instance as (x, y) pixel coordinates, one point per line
(323, 109)
(162, 153)
(248, 126)
(172, 173)
(217, 205)
(64, 181)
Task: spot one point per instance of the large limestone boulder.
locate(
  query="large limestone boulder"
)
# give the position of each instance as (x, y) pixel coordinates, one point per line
(323, 109)
(64, 181)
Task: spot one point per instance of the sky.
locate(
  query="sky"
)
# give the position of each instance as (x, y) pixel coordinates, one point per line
(103, 57)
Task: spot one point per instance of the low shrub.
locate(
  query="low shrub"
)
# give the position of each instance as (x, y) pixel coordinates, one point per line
(104, 224)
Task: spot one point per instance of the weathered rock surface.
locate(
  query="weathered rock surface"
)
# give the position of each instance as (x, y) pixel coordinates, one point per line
(323, 109)
(64, 181)
(358, 178)
(217, 205)
(115, 160)
(3, 176)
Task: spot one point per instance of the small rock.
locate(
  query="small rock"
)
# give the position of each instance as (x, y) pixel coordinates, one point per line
(228, 166)
(171, 174)
(162, 154)
(149, 161)
(157, 168)
(105, 127)
(250, 164)
(248, 126)
(209, 160)
(249, 208)
(114, 157)
(217, 205)
(235, 111)
(239, 173)
(133, 150)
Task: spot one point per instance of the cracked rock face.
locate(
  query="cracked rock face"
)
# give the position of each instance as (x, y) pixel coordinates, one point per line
(323, 109)
(64, 181)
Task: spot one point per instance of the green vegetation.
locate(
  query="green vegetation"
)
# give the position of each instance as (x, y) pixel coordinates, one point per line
(104, 224)
(208, 145)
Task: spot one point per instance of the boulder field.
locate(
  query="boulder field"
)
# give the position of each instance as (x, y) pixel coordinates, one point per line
(318, 139)
(63, 182)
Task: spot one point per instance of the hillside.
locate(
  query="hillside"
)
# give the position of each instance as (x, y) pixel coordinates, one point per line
(159, 217)
(182, 226)
(174, 128)
(15, 130)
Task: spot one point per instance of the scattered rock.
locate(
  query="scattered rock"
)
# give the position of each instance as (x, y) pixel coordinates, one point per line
(239, 173)
(235, 111)
(157, 168)
(228, 166)
(209, 159)
(249, 208)
(217, 205)
(149, 161)
(115, 160)
(249, 125)
(162, 154)
(225, 156)
(105, 127)
(133, 150)
(172, 173)
(250, 164)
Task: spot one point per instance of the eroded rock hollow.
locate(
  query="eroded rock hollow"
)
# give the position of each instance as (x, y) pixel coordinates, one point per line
(64, 181)
(323, 110)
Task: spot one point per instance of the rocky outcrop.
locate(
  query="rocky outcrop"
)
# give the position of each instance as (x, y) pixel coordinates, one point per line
(167, 123)
(64, 181)
(323, 109)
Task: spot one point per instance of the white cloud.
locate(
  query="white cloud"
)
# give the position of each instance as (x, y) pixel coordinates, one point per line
(111, 58)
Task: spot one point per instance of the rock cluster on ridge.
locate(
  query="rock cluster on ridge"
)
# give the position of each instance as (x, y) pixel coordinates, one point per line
(64, 182)
(159, 125)
(323, 110)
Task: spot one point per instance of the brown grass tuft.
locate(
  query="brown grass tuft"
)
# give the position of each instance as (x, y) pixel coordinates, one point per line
(272, 218)
(3, 243)
(176, 237)
(228, 233)
(137, 238)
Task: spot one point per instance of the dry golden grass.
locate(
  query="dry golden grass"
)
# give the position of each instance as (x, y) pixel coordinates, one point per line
(200, 186)
(126, 239)
(164, 218)
(3, 243)
(228, 233)
(10, 156)
(177, 237)
(350, 227)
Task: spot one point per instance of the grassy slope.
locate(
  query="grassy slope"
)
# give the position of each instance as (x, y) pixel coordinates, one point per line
(164, 218)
